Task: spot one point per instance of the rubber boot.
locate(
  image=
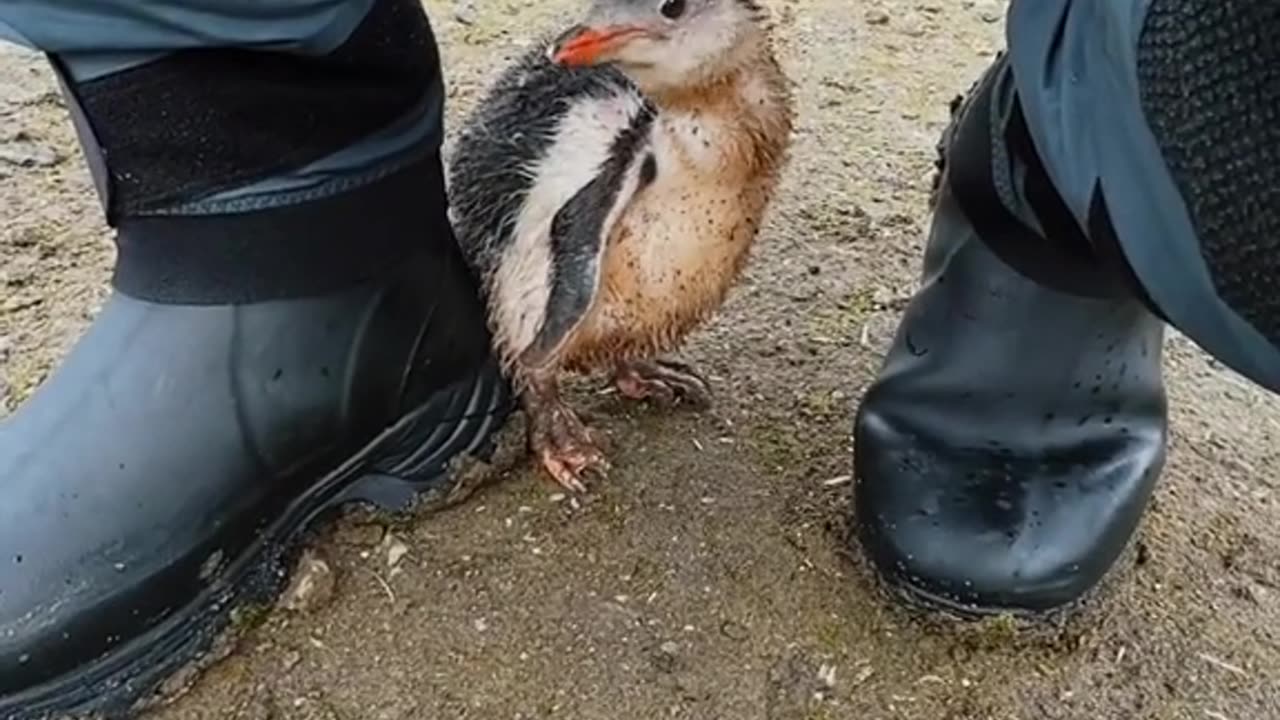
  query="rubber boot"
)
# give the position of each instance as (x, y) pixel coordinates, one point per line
(1011, 442)
(161, 476)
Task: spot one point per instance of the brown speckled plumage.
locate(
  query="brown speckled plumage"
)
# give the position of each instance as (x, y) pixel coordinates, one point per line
(645, 310)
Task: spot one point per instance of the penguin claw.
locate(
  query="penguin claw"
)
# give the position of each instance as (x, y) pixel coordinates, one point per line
(565, 447)
(663, 381)
(570, 467)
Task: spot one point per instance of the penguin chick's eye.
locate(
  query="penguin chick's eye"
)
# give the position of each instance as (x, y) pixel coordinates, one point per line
(672, 9)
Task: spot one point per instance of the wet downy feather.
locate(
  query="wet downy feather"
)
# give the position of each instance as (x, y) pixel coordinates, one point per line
(538, 138)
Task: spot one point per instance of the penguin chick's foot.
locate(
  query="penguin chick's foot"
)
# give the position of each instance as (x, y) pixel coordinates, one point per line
(559, 439)
(663, 381)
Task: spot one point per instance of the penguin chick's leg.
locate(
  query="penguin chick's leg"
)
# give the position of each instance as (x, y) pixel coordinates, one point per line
(663, 381)
(557, 436)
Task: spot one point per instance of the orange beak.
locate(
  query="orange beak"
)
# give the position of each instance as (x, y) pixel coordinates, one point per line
(587, 46)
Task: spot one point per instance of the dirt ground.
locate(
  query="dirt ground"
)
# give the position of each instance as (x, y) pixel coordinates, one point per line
(708, 578)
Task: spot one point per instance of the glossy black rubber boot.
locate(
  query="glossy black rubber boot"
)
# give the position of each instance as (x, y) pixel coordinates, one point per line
(159, 477)
(1010, 444)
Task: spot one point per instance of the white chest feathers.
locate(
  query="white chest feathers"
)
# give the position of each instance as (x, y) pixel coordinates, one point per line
(583, 144)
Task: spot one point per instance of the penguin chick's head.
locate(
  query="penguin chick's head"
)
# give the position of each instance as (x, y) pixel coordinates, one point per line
(663, 44)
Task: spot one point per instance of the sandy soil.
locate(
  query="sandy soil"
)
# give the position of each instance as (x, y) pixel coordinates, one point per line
(709, 578)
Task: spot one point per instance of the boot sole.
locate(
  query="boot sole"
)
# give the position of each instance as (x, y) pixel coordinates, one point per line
(930, 607)
(407, 465)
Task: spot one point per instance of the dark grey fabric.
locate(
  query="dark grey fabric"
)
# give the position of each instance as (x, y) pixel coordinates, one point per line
(197, 122)
(1209, 73)
(229, 106)
(122, 27)
(1077, 71)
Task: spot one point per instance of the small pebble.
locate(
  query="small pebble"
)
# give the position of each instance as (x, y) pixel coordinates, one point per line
(28, 154)
(991, 11)
(313, 584)
(464, 11)
(665, 659)
(396, 550)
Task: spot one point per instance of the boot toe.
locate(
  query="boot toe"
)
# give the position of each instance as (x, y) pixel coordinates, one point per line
(982, 531)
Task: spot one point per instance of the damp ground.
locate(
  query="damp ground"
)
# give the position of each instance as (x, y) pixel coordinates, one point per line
(709, 578)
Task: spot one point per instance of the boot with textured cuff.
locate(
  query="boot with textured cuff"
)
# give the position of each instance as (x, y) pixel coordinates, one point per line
(255, 366)
(1008, 448)
(160, 475)
(1114, 174)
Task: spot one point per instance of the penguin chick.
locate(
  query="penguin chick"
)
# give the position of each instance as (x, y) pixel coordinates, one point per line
(607, 191)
